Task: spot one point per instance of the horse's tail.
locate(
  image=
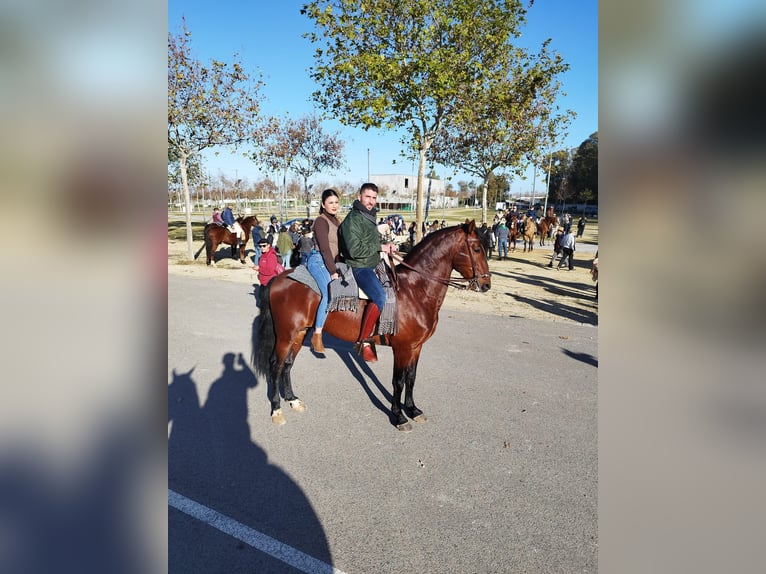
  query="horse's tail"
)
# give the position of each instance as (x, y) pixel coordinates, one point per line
(204, 245)
(263, 346)
(208, 241)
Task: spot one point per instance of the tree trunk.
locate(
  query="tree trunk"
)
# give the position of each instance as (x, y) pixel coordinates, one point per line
(419, 201)
(187, 203)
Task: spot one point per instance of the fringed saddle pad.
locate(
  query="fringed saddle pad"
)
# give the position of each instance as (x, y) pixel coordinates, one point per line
(387, 321)
(345, 295)
(344, 292)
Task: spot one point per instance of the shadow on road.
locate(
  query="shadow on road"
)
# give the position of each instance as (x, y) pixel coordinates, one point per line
(586, 358)
(213, 461)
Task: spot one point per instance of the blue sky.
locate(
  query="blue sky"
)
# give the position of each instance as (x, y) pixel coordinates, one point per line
(266, 35)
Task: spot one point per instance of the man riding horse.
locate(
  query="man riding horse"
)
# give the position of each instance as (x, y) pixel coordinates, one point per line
(232, 224)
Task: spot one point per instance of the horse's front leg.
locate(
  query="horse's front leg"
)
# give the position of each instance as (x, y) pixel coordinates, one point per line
(405, 370)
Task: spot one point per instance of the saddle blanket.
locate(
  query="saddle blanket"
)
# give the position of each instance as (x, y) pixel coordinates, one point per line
(345, 293)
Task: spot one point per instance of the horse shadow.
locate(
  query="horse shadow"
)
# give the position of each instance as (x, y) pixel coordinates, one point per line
(213, 461)
(362, 372)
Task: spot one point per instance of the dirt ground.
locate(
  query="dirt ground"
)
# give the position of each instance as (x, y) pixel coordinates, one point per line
(522, 286)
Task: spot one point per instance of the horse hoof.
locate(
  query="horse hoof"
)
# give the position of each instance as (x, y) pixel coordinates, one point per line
(404, 427)
(421, 418)
(278, 418)
(298, 405)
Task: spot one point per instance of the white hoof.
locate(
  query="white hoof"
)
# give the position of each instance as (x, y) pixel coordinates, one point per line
(278, 418)
(298, 405)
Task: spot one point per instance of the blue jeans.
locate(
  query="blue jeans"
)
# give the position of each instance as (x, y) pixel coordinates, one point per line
(286, 259)
(257, 256)
(502, 248)
(368, 280)
(305, 258)
(319, 272)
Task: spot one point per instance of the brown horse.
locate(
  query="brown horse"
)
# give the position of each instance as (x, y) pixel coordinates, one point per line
(288, 309)
(217, 234)
(513, 231)
(528, 233)
(546, 225)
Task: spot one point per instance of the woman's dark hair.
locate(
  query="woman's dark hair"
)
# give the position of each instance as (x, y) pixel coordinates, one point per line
(325, 194)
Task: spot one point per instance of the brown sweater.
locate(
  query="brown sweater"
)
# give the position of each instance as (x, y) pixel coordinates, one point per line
(326, 239)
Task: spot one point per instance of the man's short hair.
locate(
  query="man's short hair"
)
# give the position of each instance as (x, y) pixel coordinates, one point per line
(368, 185)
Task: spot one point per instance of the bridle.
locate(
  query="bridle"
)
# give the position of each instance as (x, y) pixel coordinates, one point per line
(461, 283)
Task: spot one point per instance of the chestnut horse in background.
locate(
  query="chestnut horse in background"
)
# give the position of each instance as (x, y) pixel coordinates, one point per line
(513, 230)
(216, 234)
(547, 225)
(288, 309)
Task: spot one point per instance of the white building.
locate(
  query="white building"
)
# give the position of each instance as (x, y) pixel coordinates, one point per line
(399, 192)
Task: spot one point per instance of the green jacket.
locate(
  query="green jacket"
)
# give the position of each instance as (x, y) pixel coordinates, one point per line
(359, 240)
(284, 242)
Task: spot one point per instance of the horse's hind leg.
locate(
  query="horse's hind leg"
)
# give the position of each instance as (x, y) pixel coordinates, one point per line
(285, 353)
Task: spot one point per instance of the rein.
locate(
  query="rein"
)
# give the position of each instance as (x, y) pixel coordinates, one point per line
(461, 283)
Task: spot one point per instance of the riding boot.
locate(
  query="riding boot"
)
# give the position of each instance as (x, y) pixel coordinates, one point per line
(371, 314)
(316, 342)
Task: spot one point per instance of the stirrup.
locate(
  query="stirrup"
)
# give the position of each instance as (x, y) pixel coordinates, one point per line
(366, 350)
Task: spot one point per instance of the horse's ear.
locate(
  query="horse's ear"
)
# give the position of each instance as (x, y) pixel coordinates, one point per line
(470, 226)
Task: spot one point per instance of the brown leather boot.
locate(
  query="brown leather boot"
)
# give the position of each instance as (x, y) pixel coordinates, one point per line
(316, 342)
(371, 314)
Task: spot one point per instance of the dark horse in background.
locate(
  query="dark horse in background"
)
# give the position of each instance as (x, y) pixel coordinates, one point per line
(216, 234)
(288, 309)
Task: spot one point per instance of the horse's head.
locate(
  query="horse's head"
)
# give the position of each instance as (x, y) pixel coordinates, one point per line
(248, 222)
(470, 259)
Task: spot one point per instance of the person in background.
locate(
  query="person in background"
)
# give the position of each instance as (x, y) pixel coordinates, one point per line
(503, 235)
(285, 246)
(257, 233)
(568, 248)
(556, 246)
(487, 239)
(594, 273)
(272, 232)
(217, 219)
(295, 235)
(567, 221)
(581, 225)
(306, 244)
(361, 247)
(267, 266)
(321, 261)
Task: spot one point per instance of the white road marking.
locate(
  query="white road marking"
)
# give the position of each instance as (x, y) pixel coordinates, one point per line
(249, 536)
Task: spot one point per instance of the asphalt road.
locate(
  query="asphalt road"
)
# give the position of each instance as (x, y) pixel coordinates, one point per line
(502, 478)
